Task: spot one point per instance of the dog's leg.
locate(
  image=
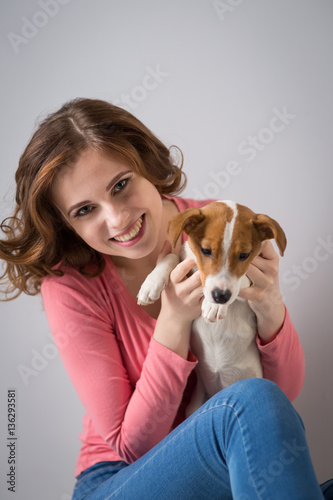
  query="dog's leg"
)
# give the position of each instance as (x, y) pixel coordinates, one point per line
(157, 280)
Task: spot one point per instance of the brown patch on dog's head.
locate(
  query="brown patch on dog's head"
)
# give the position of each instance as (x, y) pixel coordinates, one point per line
(250, 231)
(205, 229)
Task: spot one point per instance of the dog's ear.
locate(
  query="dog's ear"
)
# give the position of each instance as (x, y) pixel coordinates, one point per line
(185, 221)
(268, 228)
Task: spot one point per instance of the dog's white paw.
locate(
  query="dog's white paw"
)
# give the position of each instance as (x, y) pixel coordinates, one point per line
(157, 280)
(213, 312)
(150, 291)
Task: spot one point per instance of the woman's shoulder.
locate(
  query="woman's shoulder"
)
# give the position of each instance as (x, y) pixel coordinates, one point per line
(67, 276)
(184, 203)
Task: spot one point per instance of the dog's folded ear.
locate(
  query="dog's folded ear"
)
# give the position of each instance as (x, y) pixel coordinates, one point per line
(185, 221)
(268, 228)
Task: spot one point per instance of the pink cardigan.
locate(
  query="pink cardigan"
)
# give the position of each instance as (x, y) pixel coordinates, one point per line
(134, 390)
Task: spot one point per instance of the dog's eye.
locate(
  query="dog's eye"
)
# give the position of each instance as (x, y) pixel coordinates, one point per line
(206, 251)
(243, 256)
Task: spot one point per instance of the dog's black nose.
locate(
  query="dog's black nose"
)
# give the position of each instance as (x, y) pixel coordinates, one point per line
(221, 296)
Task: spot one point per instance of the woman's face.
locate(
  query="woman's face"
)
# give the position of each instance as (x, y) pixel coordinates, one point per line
(114, 210)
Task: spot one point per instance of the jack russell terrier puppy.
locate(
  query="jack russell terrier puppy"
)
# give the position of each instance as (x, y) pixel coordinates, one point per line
(223, 238)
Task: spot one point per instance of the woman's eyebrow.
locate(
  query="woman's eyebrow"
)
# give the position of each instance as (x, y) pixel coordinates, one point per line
(114, 181)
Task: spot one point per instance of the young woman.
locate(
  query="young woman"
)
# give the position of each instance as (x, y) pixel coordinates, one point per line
(95, 192)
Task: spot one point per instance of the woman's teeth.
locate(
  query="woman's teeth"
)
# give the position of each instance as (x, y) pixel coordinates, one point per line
(132, 234)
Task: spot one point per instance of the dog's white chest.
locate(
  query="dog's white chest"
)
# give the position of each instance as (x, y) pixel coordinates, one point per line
(226, 349)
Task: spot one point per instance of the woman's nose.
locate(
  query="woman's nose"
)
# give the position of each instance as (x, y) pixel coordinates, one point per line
(116, 219)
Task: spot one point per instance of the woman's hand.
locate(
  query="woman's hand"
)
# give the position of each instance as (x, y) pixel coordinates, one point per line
(182, 296)
(180, 305)
(264, 296)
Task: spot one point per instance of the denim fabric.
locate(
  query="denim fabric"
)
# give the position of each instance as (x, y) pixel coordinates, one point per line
(247, 442)
(327, 489)
(94, 476)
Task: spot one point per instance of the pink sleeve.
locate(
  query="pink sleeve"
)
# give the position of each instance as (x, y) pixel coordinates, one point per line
(283, 360)
(131, 419)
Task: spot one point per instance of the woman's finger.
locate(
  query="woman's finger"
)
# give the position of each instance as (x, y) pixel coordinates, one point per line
(193, 283)
(256, 276)
(267, 261)
(267, 253)
(179, 273)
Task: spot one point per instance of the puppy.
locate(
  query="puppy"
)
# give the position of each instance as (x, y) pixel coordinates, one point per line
(223, 238)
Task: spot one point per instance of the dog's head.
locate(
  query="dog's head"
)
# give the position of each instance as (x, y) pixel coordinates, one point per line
(225, 237)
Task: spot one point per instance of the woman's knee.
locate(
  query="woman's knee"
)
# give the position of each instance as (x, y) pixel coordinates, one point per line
(252, 388)
(265, 399)
(258, 388)
(254, 394)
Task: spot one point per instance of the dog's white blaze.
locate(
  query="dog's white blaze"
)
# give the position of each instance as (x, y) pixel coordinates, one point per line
(229, 228)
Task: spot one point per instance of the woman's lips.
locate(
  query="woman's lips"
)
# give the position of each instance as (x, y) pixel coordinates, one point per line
(132, 235)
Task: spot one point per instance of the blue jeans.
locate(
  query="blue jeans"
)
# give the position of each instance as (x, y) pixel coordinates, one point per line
(247, 442)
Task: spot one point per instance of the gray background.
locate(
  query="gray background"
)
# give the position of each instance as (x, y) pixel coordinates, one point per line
(219, 75)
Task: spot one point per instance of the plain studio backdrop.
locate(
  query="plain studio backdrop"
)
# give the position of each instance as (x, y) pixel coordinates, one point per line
(244, 88)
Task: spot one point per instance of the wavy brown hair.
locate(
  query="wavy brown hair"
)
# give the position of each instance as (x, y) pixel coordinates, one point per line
(36, 237)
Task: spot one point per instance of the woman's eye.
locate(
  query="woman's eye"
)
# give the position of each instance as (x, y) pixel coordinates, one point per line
(117, 188)
(83, 211)
(120, 185)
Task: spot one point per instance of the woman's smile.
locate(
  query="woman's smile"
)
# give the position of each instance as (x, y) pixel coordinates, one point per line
(131, 236)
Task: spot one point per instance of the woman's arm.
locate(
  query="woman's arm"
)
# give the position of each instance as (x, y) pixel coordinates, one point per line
(281, 352)
(283, 359)
(131, 418)
(181, 304)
